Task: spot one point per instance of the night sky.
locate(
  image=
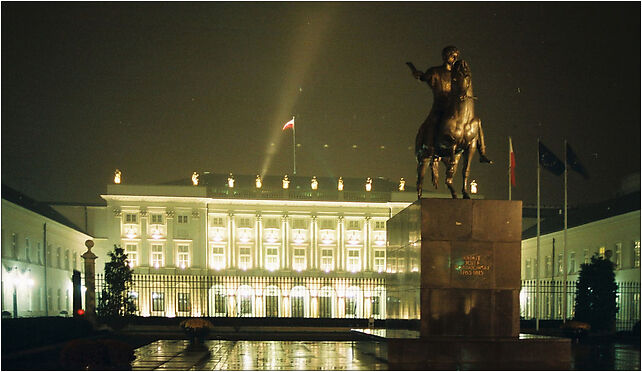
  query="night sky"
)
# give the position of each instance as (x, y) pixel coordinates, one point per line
(162, 90)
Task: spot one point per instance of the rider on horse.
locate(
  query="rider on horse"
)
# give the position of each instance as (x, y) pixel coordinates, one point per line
(438, 78)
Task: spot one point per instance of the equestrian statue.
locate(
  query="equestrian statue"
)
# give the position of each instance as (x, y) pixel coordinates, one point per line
(451, 129)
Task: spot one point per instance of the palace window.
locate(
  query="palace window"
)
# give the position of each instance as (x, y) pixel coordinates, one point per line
(156, 219)
(39, 252)
(351, 303)
(59, 258)
(217, 222)
(271, 258)
(353, 260)
(297, 302)
(298, 261)
(66, 259)
(183, 256)
(379, 260)
(299, 224)
(401, 265)
(325, 302)
(354, 225)
(28, 249)
(376, 305)
(158, 258)
(245, 294)
(184, 303)
(326, 259)
(560, 263)
(271, 302)
(131, 218)
(271, 223)
(548, 268)
(327, 224)
(602, 251)
(182, 219)
(158, 301)
(218, 257)
(244, 258)
(587, 258)
(220, 302)
(131, 250)
(571, 263)
(14, 245)
(617, 259)
(245, 222)
(380, 225)
(636, 253)
(48, 258)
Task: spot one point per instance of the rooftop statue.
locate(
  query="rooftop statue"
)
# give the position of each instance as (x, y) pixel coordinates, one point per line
(451, 128)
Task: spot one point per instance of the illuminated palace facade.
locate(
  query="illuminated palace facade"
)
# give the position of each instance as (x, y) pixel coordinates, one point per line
(225, 248)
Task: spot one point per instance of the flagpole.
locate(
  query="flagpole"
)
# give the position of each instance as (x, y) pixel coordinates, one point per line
(510, 169)
(537, 252)
(565, 303)
(294, 146)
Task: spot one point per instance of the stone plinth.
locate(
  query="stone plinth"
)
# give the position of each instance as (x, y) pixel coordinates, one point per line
(470, 267)
(455, 266)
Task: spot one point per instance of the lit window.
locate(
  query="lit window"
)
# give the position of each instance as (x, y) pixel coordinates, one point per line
(66, 259)
(299, 224)
(548, 267)
(131, 218)
(379, 260)
(157, 219)
(602, 251)
(380, 225)
(217, 222)
(28, 249)
(183, 256)
(326, 259)
(182, 219)
(401, 265)
(636, 253)
(184, 303)
(299, 259)
(528, 268)
(560, 263)
(354, 225)
(158, 259)
(587, 258)
(353, 260)
(245, 222)
(271, 258)
(158, 301)
(131, 250)
(571, 263)
(218, 257)
(244, 258)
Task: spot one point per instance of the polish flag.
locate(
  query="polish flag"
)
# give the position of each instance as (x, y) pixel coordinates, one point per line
(289, 124)
(512, 162)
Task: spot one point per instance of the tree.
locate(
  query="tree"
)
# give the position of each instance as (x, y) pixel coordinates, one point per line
(116, 300)
(595, 294)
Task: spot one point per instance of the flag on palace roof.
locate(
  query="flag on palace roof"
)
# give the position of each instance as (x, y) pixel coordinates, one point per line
(512, 162)
(289, 124)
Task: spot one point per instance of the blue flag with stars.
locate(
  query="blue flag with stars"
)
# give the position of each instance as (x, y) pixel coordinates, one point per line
(574, 163)
(549, 161)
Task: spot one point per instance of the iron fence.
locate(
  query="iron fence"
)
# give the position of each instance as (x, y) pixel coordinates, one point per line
(551, 299)
(252, 296)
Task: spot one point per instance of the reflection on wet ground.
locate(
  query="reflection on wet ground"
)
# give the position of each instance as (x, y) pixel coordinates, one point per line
(327, 355)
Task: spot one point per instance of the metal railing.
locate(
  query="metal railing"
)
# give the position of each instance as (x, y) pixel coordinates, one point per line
(249, 296)
(551, 301)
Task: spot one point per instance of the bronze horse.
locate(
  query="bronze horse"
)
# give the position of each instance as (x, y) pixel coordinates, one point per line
(457, 133)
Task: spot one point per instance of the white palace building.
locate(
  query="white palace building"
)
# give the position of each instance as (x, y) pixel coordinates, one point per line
(246, 246)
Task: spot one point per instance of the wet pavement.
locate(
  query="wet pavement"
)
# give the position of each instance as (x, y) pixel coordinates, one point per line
(327, 355)
(226, 355)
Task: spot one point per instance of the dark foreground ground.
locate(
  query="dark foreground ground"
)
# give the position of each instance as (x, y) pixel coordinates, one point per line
(252, 345)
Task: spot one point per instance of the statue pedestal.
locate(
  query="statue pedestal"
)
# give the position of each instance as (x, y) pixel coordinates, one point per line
(455, 266)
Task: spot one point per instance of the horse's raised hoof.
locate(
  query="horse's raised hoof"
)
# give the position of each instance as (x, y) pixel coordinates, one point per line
(484, 159)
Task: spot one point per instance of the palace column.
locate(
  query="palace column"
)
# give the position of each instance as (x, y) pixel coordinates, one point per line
(340, 243)
(366, 244)
(230, 257)
(285, 242)
(314, 243)
(258, 243)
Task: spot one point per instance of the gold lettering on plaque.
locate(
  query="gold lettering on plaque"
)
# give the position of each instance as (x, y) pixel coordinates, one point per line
(473, 265)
